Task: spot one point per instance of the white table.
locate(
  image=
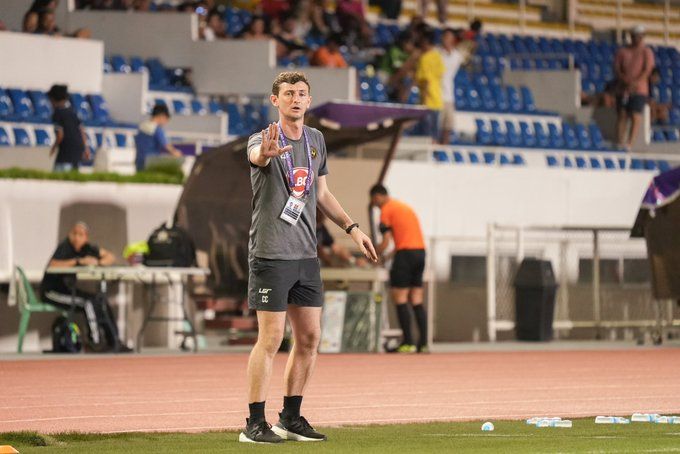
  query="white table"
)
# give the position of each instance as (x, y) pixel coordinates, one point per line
(145, 275)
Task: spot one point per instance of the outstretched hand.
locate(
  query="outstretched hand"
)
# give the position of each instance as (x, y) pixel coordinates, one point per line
(270, 143)
(365, 244)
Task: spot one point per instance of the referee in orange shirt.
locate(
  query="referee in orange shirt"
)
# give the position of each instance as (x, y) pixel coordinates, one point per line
(399, 223)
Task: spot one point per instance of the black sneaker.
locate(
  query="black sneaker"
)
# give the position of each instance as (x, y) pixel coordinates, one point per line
(258, 432)
(296, 429)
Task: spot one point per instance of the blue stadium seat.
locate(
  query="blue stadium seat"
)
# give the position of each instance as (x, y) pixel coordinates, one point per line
(137, 64)
(488, 100)
(42, 138)
(551, 161)
(23, 107)
(636, 164)
(518, 160)
(569, 135)
(441, 156)
(237, 125)
(474, 101)
(622, 163)
(609, 164)
(581, 163)
(41, 105)
(460, 99)
(596, 137)
(108, 68)
(4, 137)
(21, 137)
(121, 140)
(458, 157)
(528, 100)
(499, 137)
(595, 163)
(658, 136)
(180, 107)
(81, 107)
(664, 166)
(483, 135)
(514, 99)
(542, 140)
(555, 138)
(528, 136)
(214, 107)
(514, 139)
(504, 160)
(119, 64)
(100, 111)
(489, 157)
(584, 141)
(197, 107)
(501, 98)
(365, 90)
(473, 157)
(672, 135)
(650, 165)
(379, 91)
(158, 74)
(6, 108)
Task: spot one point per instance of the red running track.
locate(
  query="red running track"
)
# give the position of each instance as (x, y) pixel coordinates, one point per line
(207, 392)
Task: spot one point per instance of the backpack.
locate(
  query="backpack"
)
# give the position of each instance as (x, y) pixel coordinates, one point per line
(65, 336)
(170, 246)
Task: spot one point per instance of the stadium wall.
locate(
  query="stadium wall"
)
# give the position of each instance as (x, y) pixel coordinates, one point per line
(37, 62)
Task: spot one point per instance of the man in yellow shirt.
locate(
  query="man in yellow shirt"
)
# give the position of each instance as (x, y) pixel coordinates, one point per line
(429, 73)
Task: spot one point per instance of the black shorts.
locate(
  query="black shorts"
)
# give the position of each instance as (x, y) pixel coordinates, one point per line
(274, 284)
(632, 103)
(407, 268)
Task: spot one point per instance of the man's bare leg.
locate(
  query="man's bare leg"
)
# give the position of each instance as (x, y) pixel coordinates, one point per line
(621, 126)
(306, 324)
(636, 121)
(269, 336)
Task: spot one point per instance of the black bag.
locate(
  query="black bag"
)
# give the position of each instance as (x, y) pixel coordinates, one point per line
(65, 336)
(170, 246)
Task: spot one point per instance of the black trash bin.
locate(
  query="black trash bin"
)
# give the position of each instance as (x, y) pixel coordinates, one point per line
(535, 289)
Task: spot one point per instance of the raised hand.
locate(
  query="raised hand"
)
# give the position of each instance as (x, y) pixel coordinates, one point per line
(270, 143)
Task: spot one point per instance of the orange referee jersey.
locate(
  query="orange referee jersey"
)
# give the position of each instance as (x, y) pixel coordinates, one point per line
(403, 222)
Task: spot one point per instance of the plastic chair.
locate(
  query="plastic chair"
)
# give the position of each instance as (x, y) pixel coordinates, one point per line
(29, 304)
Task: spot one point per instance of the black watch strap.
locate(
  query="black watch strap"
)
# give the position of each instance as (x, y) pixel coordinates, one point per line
(348, 230)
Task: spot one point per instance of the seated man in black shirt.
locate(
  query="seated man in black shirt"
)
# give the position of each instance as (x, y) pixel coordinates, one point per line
(57, 289)
(70, 137)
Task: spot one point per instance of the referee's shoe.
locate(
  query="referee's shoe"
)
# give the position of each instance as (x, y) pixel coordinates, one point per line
(258, 432)
(296, 428)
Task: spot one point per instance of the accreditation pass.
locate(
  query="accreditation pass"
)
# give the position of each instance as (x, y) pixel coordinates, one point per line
(293, 210)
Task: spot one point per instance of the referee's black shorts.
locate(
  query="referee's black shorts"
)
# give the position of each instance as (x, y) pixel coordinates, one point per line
(407, 268)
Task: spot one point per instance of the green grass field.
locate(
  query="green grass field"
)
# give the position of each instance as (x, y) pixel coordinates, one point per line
(509, 437)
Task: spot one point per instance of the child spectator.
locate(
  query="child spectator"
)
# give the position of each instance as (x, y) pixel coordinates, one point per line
(69, 144)
(151, 140)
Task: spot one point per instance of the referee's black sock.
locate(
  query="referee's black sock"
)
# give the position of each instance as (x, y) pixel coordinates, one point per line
(405, 322)
(291, 406)
(421, 319)
(256, 411)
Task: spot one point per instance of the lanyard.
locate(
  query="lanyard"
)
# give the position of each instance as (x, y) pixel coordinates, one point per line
(288, 157)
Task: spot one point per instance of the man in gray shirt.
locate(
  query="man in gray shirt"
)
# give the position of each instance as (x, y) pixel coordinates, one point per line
(288, 175)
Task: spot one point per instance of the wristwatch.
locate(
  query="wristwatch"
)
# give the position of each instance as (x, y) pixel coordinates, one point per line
(348, 230)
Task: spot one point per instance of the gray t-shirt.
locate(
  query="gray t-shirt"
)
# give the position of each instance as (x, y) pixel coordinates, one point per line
(270, 236)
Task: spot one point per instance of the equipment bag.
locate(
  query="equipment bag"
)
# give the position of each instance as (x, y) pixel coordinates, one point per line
(65, 336)
(170, 246)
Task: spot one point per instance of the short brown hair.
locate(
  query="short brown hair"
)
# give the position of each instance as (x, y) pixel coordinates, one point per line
(289, 77)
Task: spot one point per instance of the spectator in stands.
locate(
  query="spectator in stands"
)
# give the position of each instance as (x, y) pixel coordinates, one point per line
(57, 289)
(452, 60)
(659, 112)
(215, 27)
(329, 55)
(47, 24)
(352, 19)
(399, 224)
(150, 140)
(289, 44)
(257, 29)
(441, 9)
(633, 64)
(70, 138)
(474, 31)
(324, 20)
(275, 9)
(30, 24)
(302, 12)
(399, 63)
(428, 77)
